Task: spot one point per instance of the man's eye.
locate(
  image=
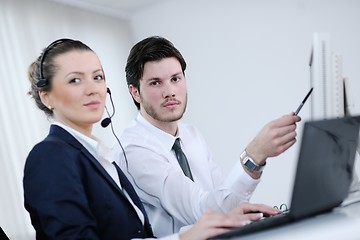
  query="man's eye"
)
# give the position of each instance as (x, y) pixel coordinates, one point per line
(154, 83)
(175, 79)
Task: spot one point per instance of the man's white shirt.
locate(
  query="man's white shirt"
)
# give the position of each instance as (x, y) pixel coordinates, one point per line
(170, 198)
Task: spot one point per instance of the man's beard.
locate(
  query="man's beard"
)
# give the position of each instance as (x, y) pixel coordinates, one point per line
(159, 117)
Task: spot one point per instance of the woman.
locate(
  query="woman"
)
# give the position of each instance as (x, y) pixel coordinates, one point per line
(72, 187)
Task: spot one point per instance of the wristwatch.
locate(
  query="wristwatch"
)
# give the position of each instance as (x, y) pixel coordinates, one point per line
(250, 164)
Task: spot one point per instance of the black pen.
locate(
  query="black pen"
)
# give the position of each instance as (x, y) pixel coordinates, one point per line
(303, 102)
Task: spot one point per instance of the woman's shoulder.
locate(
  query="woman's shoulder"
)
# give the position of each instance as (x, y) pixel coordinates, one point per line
(53, 150)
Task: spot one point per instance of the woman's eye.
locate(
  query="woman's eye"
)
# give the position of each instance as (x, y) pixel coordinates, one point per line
(99, 77)
(75, 80)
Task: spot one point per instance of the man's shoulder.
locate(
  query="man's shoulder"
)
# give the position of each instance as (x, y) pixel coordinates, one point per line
(134, 129)
(188, 129)
(186, 125)
(135, 134)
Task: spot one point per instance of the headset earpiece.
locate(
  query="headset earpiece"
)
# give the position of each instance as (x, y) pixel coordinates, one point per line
(43, 81)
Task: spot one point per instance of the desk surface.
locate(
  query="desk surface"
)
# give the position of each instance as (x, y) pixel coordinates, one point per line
(341, 223)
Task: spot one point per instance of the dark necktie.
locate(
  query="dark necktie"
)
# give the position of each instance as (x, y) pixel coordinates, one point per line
(180, 155)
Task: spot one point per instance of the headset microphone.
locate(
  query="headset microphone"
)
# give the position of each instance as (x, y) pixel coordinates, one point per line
(106, 121)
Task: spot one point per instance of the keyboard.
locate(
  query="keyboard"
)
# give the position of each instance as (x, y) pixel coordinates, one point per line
(262, 224)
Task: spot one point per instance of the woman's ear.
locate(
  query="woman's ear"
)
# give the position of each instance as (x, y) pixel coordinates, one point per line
(134, 93)
(45, 99)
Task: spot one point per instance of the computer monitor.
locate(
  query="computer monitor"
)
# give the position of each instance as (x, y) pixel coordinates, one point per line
(326, 78)
(331, 97)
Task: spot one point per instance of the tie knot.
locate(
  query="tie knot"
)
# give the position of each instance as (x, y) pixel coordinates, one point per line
(177, 145)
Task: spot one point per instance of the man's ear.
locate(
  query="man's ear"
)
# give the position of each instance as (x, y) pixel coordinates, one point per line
(134, 93)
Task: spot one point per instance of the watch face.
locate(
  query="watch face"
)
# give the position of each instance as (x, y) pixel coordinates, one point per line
(249, 164)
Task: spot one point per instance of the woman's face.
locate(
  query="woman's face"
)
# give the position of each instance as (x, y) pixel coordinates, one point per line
(78, 92)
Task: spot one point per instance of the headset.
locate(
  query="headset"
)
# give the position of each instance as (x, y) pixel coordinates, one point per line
(104, 123)
(43, 81)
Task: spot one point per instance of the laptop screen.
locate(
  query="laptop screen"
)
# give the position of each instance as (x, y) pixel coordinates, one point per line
(325, 165)
(3, 235)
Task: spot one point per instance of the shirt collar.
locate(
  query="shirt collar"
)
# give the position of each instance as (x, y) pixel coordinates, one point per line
(165, 138)
(93, 145)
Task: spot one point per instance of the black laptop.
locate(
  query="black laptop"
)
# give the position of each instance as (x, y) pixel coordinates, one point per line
(323, 175)
(3, 235)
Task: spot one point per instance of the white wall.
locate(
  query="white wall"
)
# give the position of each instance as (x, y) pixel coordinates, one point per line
(248, 64)
(26, 27)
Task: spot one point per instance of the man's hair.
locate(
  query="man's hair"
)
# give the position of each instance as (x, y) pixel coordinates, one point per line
(150, 49)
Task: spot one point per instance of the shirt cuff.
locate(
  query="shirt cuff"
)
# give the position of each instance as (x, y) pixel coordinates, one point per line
(240, 182)
(170, 237)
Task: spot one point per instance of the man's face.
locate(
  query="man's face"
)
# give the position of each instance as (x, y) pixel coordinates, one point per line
(163, 94)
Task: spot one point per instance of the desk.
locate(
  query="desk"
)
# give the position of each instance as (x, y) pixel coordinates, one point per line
(343, 223)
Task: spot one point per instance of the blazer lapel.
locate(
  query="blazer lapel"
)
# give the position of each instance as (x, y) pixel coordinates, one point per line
(125, 183)
(58, 132)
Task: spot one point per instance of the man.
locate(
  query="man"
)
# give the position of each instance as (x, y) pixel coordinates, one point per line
(174, 195)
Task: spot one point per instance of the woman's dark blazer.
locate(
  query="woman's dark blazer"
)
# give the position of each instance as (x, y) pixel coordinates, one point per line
(69, 195)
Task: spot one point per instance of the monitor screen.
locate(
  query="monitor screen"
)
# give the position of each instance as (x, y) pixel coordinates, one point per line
(327, 100)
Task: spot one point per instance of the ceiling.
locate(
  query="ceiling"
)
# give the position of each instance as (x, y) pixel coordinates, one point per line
(116, 8)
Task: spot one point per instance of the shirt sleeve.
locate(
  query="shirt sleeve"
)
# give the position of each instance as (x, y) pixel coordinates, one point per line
(237, 182)
(230, 190)
(170, 237)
